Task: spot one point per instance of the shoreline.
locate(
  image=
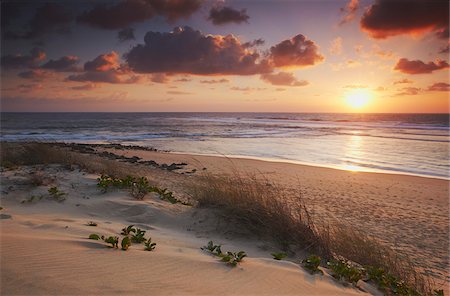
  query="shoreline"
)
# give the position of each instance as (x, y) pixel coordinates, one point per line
(267, 159)
(288, 161)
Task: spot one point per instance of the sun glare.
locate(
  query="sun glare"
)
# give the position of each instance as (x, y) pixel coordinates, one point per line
(358, 98)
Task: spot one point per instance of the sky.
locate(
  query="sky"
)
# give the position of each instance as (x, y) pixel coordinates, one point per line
(376, 56)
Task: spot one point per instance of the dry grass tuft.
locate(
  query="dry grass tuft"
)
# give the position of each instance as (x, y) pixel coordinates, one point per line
(265, 208)
(17, 154)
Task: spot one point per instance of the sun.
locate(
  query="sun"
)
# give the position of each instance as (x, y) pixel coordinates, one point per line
(358, 98)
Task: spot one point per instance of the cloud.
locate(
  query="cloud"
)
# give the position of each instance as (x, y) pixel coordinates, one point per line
(419, 67)
(224, 15)
(105, 77)
(103, 62)
(34, 74)
(283, 78)
(336, 46)
(380, 88)
(214, 81)
(88, 86)
(126, 34)
(105, 68)
(349, 11)
(408, 91)
(256, 42)
(50, 17)
(440, 86)
(26, 88)
(183, 80)
(355, 86)
(386, 18)
(246, 89)
(127, 12)
(295, 52)
(445, 49)
(159, 78)
(23, 61)
(185, 50)
(402, 81)
(64, 64)
(176, 92)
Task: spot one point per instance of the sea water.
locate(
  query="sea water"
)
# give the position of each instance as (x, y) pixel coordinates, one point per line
(415, 144)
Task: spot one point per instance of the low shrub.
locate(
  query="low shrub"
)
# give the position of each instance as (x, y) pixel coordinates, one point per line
(312, 264)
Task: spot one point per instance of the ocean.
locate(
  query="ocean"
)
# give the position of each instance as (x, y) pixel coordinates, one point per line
(416, 144)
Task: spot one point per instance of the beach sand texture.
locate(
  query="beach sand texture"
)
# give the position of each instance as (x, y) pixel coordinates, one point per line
(45, 250)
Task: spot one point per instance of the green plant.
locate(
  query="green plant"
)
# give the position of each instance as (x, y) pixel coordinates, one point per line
(278, 256)
(212, 248)
(103, 182)
(91, 223)
(113, 240)
(389, 283)
(138, 237)
(127, 230)
(140, 187)
(312, 264)
(342, 269)
(126, 243)
(149, 246)
(233, 258)
(56, 194)
(165, 195)
(94, 236)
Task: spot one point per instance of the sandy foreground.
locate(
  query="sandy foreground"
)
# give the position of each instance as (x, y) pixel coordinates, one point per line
(45, 250)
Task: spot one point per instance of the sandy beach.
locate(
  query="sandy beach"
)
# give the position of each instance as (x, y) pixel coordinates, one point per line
(45, 250)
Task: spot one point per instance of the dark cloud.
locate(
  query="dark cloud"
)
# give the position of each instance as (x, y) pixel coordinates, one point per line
(224, 15)
(402, 81)
(283, 78)
(214, 81)
(388, 18)
(10, 10)
(256, 42)
(49, 18)
(105, 77)
(126, 34)
(35, 74)
(189, 51)
(440, 86)
(23, 61)
(408, 91)
(296, 52)
(127, 12)
(64, 64)
(349, 11)
(419, 67)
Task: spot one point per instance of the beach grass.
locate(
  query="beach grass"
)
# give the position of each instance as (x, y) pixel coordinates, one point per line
(271, 211)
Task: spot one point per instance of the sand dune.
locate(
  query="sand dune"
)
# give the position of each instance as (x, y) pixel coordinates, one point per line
(45, 250)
